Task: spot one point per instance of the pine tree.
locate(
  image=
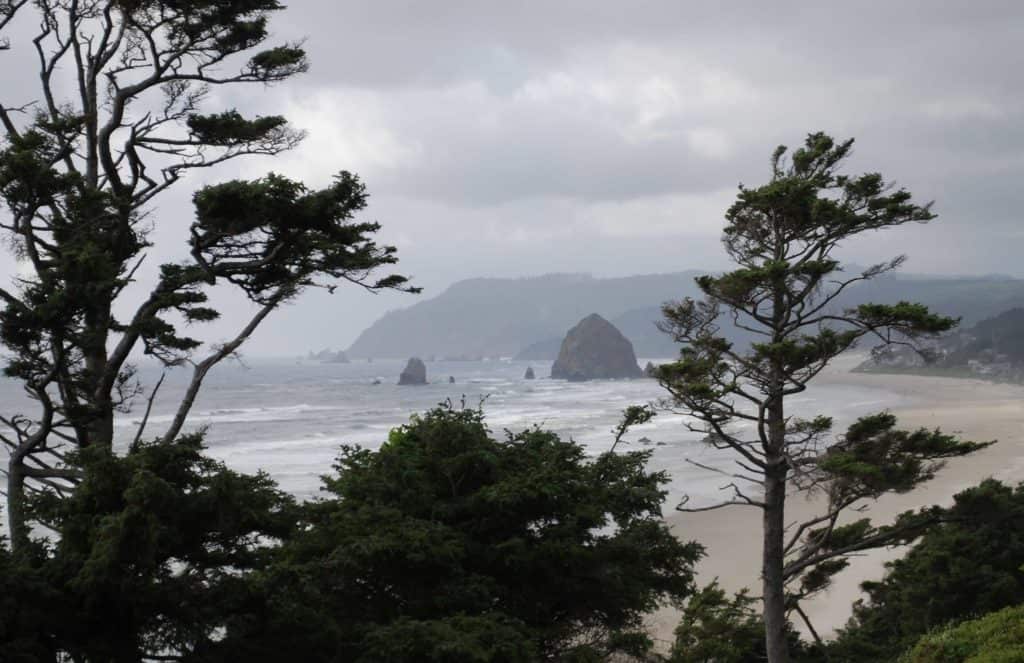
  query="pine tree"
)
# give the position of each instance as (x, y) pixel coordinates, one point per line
(782, 237)
(79, 177)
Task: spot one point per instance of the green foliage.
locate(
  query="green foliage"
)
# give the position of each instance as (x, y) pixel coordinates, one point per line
(716, 628)
(272, 234)
(224, 28)
(229, 128)
(968, 565)
(994, 638)
(449, 545)
(910, 319)
(152, 550)
(78, 180)
(784, 292)
(24, 615)
(874, 457)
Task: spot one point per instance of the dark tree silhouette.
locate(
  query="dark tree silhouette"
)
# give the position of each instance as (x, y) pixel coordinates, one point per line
(782, 236)
(78, 178)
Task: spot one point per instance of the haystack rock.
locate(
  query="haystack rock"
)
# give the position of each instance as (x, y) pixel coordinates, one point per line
(415, 372)
(451, 379)
(529, 373)
(595, 350)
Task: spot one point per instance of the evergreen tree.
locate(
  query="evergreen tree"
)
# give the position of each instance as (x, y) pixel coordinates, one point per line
(79, 177)
(782, 237)
(153, 554)
(971, 564)
(450, 545)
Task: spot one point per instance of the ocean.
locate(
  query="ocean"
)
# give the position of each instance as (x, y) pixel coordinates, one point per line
(289, 417)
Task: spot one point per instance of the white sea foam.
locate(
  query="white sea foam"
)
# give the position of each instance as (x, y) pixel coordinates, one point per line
(290, 420)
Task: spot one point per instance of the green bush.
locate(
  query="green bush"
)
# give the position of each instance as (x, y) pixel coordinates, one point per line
(994, 638)
(970, 565)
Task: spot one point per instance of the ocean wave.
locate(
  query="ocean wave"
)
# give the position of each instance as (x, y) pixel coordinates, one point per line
(237, 415)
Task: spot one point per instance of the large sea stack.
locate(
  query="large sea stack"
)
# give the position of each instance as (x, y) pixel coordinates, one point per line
(595, 350)
(415, 372)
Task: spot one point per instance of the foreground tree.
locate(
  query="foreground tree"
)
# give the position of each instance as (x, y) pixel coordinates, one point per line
(969, 565)
(153, 557)
(79, 177)
(782, 237)
(717, 628)
(445, 545)
(450, 545)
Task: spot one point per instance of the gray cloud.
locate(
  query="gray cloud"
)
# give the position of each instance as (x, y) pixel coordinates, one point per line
(515, 138)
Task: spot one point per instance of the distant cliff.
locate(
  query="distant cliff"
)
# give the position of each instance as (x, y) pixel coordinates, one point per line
(505, 317)
(992, 349)
(501, 317)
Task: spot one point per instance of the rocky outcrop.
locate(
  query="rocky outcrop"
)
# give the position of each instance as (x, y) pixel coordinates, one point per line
(415, 372)
(650, 370)
(529, 373)
(451, 379)
(595, 350)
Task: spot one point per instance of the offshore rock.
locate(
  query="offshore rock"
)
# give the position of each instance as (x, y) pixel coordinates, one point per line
(650, 370)
(415, 372)
(529, 373)
(595, 350)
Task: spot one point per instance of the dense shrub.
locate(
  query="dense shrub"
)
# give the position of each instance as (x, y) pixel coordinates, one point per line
(995, 638)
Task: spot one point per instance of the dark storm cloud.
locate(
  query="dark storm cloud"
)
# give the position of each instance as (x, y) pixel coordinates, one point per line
(514, 138)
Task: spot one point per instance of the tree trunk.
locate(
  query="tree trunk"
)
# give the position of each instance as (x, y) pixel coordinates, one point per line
(771, 566)
(100, 428)
(16, 503)
(774, 527)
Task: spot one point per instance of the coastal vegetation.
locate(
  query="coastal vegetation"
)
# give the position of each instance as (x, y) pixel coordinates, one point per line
(782, 237)
(990, 639)
(448, 542)
(969, 565)
(80, 174)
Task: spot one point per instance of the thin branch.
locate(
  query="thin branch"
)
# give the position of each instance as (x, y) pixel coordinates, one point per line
(203, 367)
(149, 408)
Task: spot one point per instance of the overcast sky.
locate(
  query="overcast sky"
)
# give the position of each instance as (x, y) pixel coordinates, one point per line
(520, 138)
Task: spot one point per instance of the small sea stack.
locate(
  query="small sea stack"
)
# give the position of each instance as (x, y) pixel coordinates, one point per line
(650, 370)
(529, 373)
(451, 379)
(415, 372)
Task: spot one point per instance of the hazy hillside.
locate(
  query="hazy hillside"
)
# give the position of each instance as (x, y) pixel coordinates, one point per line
(993, 348)
(501, 317)
(505, 317)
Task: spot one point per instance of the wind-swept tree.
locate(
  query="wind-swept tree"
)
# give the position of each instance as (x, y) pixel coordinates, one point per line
(782, 237)
(115, 122)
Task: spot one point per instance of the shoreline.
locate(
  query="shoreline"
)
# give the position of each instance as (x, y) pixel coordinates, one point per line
(974, 409)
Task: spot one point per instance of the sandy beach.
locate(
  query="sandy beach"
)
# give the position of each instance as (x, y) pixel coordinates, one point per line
(974, 409)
